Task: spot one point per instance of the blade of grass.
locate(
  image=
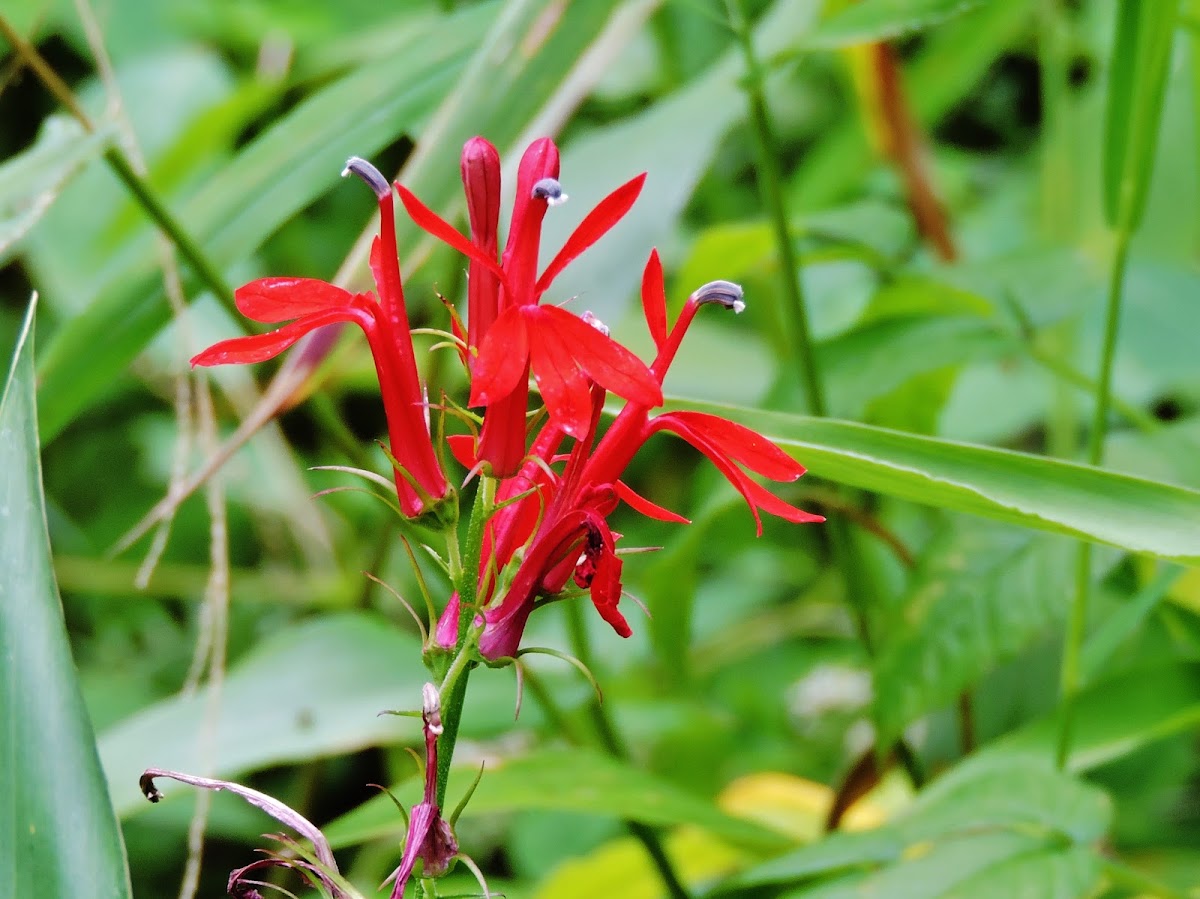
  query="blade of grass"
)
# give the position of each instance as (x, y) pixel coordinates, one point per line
(58, 834)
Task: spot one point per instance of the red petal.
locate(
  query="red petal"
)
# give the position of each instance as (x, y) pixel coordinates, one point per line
(654, 299)
(595, 225)
(261, 347)
(282, 299)
(563, 385)
(601, 358)
(756, 496)
(639, 503)
(462, 447)
(743, 445)
(502, 359)
(428, 220)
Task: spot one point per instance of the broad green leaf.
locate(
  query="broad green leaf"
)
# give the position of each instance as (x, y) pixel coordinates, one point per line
(1031, 491)
(979, 594)
(1008, 800)
(30, 181)
(883, 354)
(1048, 874)
(565, 780)
(311, 690)
(989, 864)
(58, 835)
(879, 20)
(278, 174)
(1137, 83)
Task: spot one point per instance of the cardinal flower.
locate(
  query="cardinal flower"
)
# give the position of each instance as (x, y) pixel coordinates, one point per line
(562, 518)
(420, 483)
(508, 333)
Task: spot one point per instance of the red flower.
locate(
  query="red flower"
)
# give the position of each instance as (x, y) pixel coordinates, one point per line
(511, 333)
(420, 482)
(562, 518)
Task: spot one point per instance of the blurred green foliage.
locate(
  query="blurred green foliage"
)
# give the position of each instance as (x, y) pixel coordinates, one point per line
(753, 663)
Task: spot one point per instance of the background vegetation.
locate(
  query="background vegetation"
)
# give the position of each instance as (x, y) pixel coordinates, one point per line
(982, 675)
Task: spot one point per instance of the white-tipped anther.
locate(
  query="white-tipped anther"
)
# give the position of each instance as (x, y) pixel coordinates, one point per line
(723, 293)
(356, 165)
(551, 191)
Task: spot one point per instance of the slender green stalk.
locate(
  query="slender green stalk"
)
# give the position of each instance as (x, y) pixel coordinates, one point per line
(119, 163)
(770, 184)
(611, 740)
(1070, 675)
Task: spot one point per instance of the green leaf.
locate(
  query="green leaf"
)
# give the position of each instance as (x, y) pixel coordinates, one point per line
(311, 690)
(573, 780)
(988, 864)
(979, 595)
(1031, 491)
(880, 20)
(58, 835)
(1137, 83)
(30, 181)
(883, 354)
(991, 811)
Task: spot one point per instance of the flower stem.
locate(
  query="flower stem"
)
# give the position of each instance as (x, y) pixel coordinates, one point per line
(770, 185)
(452, 708)
(1070, 675)
(141, 190)
(611, 740)
(453, 688)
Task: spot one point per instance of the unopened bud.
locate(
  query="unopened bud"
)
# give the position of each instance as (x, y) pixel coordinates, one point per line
(356, 165)
(551, 191)
(723, 293)
(431, 708)
(595, 322)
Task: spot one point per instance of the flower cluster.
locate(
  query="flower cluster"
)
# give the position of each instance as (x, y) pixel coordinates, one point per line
(556, 476)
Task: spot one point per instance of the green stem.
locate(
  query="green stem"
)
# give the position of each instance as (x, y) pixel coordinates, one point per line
(611, 740)
(1070, 675)
(770, 184)
(453, 689)
(452, 708)
(119, 163)
(205, 270)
